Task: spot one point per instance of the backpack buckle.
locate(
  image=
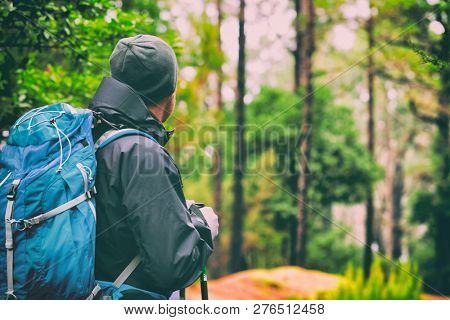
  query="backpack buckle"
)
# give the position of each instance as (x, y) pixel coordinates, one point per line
(22, 224)
(10, 296)
(12, 192)
(91, 193)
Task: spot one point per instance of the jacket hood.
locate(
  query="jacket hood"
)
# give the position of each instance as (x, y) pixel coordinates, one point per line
(120, 105)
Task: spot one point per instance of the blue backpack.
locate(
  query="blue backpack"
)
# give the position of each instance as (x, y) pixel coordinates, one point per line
(47, 176)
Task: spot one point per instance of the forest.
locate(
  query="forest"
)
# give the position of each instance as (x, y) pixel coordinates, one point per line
(317, 129)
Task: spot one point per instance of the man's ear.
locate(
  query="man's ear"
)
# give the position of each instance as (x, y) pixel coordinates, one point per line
(163, 109)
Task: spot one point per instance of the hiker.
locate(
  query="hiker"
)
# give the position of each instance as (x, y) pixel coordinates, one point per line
(141, 207)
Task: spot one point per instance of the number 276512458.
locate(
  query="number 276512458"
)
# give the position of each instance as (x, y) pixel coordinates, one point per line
(288, 308)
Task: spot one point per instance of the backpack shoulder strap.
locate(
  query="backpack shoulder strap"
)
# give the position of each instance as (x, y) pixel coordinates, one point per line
(102, 142)
(123, 276)
(120, 280)
(111, 135)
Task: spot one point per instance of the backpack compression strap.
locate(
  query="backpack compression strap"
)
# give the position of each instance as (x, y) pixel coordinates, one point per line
(102, 142)
(9, 243)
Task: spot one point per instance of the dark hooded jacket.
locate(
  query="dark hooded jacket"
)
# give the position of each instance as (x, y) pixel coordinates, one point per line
(141, 208)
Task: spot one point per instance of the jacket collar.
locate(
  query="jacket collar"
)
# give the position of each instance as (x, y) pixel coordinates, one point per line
(120, 105)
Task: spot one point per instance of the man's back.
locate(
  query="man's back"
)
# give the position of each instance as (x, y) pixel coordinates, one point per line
(141, 208)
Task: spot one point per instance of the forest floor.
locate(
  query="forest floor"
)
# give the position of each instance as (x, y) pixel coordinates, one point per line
(262, 284)
(274, 284)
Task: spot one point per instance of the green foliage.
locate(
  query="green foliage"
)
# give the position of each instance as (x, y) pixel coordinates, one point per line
(431, 207)
(422, 253)
(274, 106)
(54, 83)
(340, 165)
(204, 51)
(340, 169)
(399, 283)
(423, 203)
(58, 51)
(330, 251)
(32, 28)
(431, 58)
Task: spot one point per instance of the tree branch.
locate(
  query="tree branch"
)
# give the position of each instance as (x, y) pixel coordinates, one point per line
(421, 116)
(402, 79)
(31, 46)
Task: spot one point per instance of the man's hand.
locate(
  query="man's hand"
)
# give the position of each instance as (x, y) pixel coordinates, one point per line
(189, 203)
(212, 220)
(210, 216)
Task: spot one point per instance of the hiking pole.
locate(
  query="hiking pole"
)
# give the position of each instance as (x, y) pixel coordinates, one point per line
(204, 284)
(203, 276)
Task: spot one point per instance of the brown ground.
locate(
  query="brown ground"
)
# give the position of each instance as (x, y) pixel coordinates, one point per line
(277, 284)
(261, 284)
(426, 296)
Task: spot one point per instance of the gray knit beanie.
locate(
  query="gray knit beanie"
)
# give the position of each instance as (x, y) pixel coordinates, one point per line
(147, 64)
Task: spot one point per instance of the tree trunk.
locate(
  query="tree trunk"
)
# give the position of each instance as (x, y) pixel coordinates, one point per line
(442, 215)
(236, 262)
(293, 240)
(389, 183)
(397, 194)
(215, 265)
(218, 157)
(442, 150)
(298, 41)
(307, 49)
(368, 256)
(297, 68)
(398, 189)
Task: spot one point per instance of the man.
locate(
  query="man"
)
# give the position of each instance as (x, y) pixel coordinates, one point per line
(141, 208)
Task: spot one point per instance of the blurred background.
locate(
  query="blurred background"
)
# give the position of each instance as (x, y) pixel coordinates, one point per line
(318, 130)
